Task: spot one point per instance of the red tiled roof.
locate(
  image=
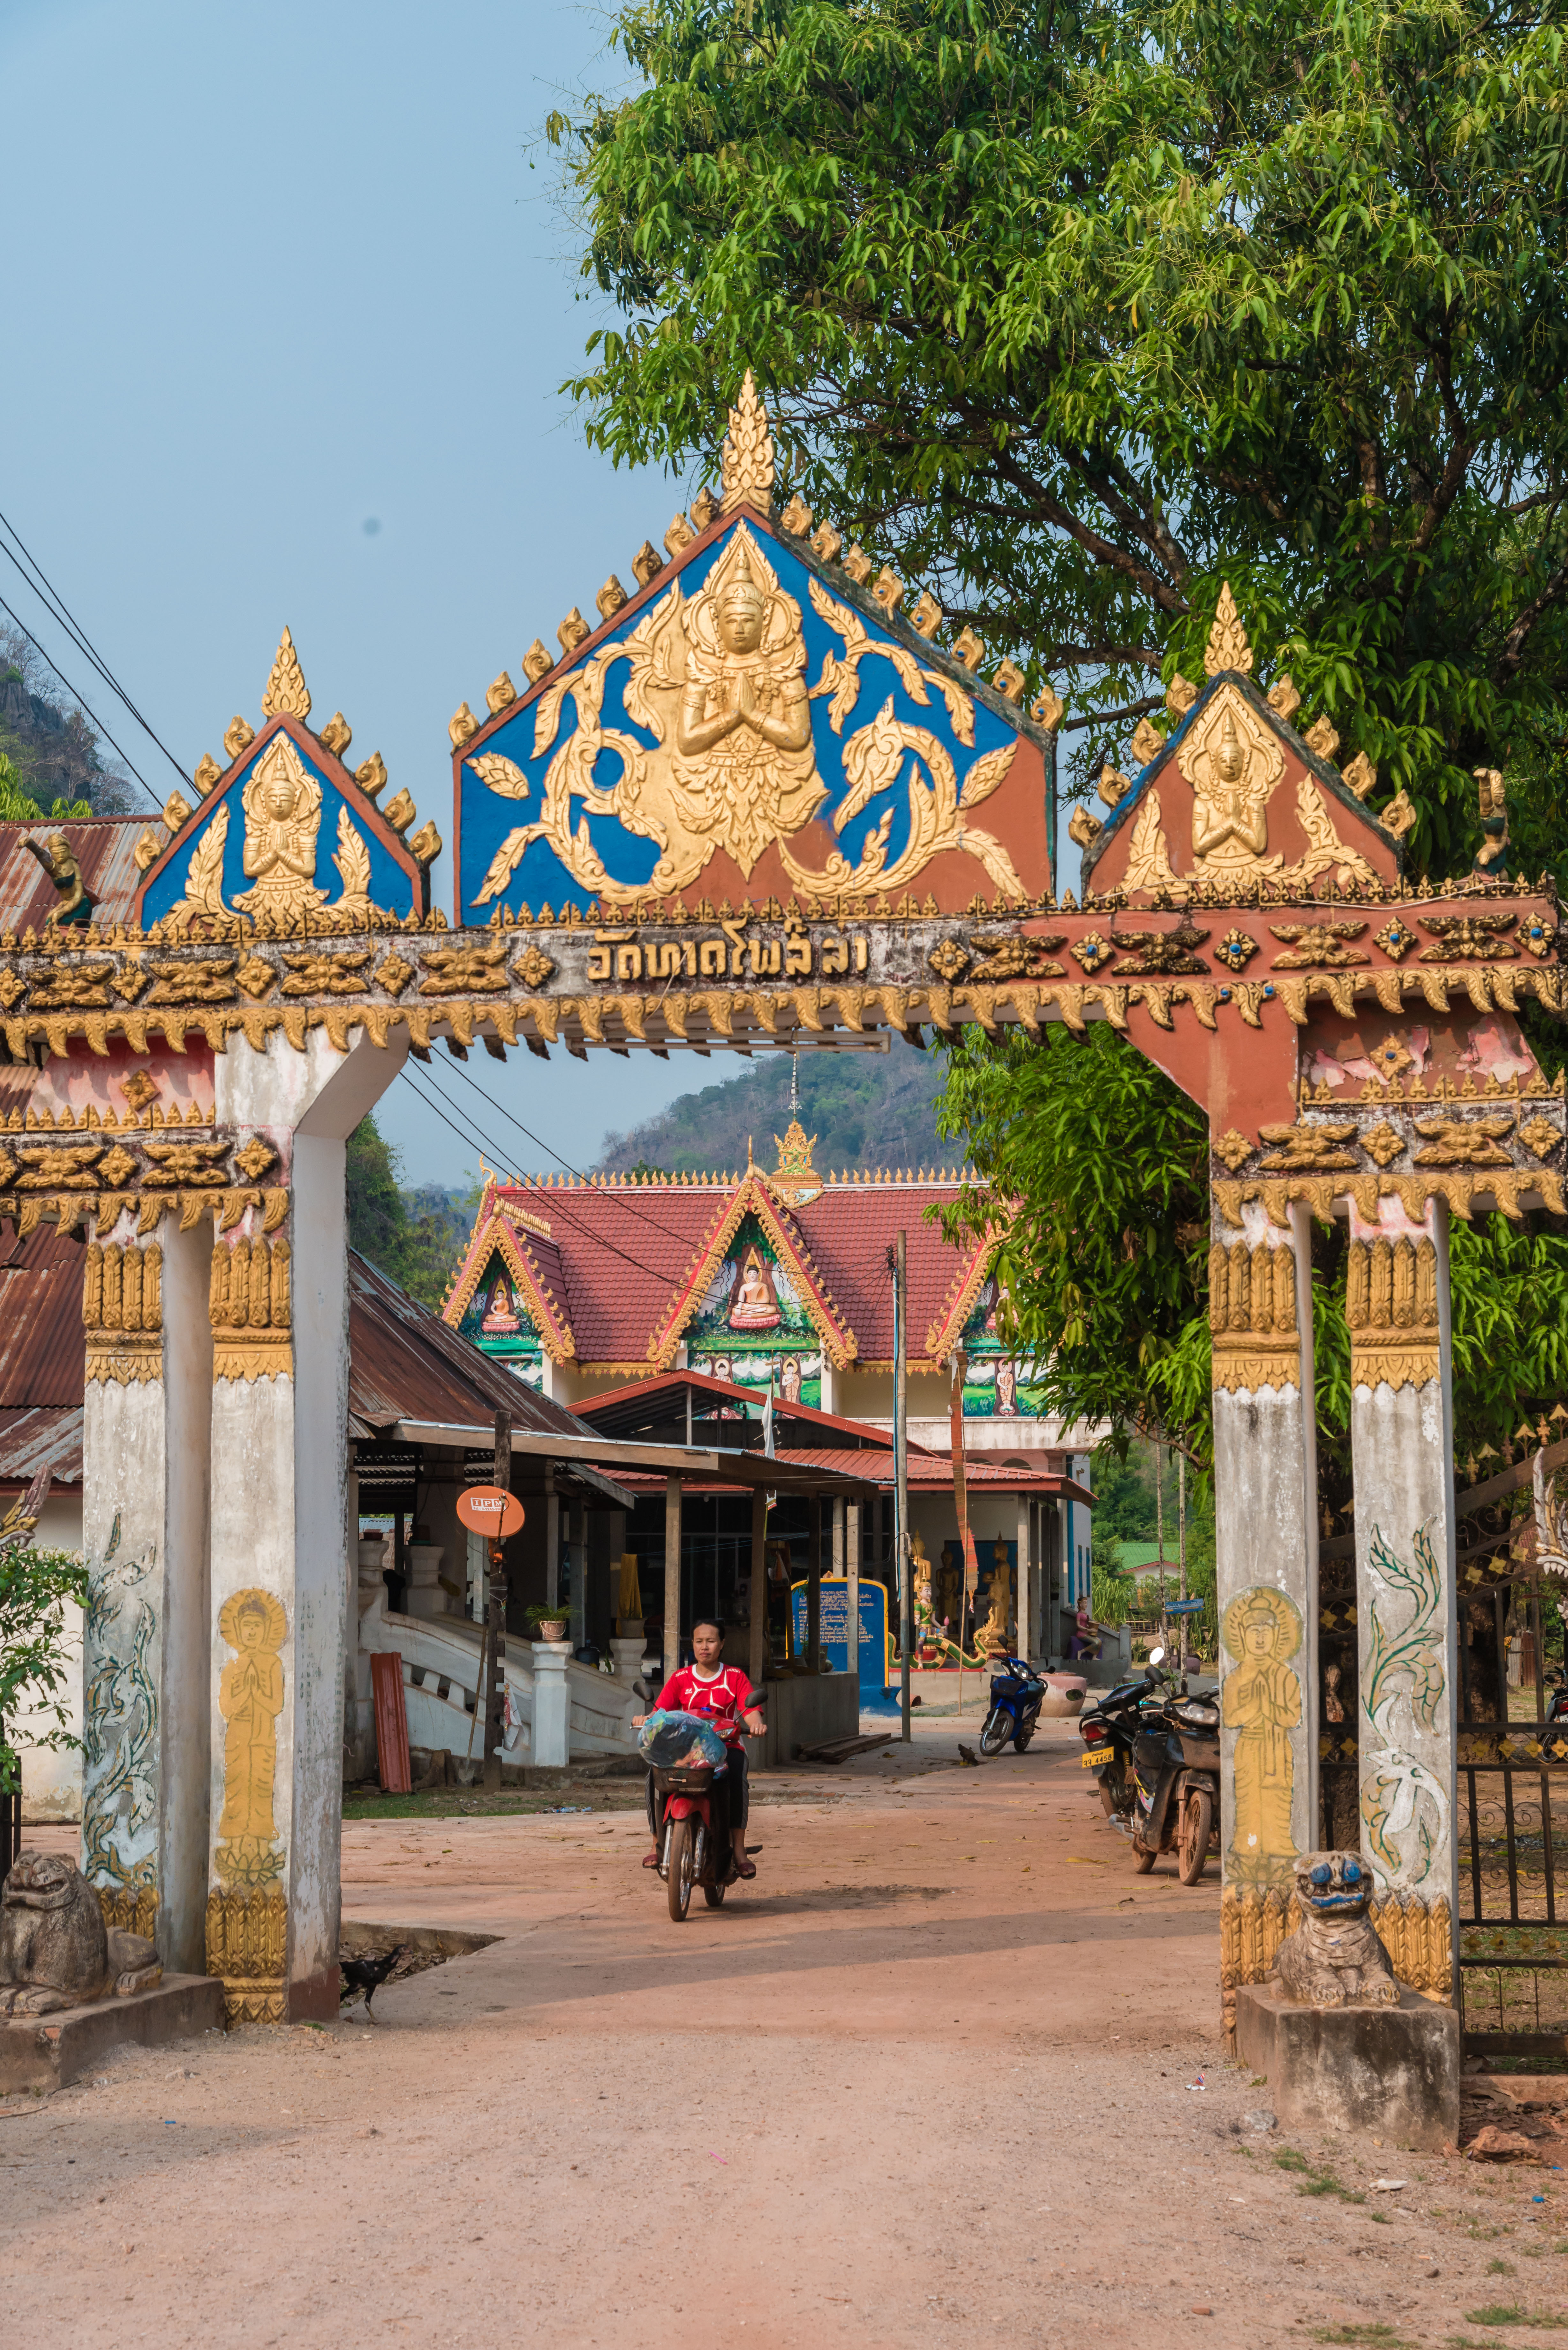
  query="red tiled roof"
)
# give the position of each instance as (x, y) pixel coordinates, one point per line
(592, 1407)
(103, 848)
(627, 1250)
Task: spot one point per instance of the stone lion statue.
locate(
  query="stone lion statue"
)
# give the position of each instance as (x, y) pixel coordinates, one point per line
(55, 1950)
(1335, 1957)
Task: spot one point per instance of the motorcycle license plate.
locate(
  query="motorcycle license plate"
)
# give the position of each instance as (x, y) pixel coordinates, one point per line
(1096, 1756)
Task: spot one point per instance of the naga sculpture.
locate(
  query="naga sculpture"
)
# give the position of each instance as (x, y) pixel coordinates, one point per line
(1335, 1958)
(55, 1950)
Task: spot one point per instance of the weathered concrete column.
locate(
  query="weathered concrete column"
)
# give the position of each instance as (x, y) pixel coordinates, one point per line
(144, 1537)
(552, 1741)
(1023, 1580)
(1401, 1431)
(278, 1305)
(1266, 1529)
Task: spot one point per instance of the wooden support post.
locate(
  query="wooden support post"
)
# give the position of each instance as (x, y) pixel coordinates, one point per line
(671, 1574)
(852, 1574)
(578, 1556)
(495, 1694)
(813, 1589)
(758, 1654)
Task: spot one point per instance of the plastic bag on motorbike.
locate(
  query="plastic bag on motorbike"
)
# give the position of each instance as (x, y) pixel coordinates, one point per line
(672, 1741)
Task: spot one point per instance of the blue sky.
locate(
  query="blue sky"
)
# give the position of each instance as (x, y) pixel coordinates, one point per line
(275, 275)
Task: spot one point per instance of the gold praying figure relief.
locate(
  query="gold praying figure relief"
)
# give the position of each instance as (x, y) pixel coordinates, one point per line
(250, 1698)
(281, 803)
(1261, 1629)
(1226, 813)
(743, 769)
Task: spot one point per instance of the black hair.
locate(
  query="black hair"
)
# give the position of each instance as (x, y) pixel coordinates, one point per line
(712, 1621)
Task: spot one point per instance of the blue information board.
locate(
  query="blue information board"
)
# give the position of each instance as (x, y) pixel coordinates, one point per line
(834, 1627)
(1184, 1606)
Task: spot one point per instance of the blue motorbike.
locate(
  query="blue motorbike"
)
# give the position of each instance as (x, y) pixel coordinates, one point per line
(1017, 1693)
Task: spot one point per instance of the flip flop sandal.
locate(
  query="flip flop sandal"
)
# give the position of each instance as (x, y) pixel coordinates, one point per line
(744, 1868)
(650, 1860)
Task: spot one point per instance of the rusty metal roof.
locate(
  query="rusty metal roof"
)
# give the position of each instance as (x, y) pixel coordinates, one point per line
(103, 846)
(30, 1441)
(43, 1347)
(406, 1363)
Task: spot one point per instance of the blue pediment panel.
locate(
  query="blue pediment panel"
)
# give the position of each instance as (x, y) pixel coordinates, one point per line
(288, 840)
(752, 724)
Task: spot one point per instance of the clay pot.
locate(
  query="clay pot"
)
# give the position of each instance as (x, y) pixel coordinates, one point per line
(554, 1631)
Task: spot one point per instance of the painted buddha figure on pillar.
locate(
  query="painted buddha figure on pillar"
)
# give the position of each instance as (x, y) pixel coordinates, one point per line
(250, 1698)
(1262, 1698)
(743, 769)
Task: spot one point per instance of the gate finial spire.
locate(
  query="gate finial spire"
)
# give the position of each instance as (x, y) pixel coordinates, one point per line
(748, 454)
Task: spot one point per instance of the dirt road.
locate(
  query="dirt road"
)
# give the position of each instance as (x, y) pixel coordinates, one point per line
(934, 2073)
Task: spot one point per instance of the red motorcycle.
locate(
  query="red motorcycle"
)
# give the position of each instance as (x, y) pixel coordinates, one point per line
(693, 1848)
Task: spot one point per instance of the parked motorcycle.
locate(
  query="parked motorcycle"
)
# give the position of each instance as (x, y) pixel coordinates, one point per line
(1017, 1693)
(1108, 1729)
(1176, 1777)
(692, 1821)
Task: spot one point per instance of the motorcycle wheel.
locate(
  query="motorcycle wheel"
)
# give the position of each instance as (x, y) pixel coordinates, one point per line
(997, 1731)
(681, 1853)
(1192, 1844)
(713, 1895)
(1144, 1856)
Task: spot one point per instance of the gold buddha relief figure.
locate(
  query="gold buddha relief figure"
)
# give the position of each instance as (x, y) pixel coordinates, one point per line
(1232, 764)
(743, 771)
(282, 802)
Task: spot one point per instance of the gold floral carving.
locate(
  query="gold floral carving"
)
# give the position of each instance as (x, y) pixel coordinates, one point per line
(240, 735)
(132, 1908)
(1321, 943)
(1463, 1142)
(1227, 647)
(1305, 1145)
(1233, 1147)
(122, 1311)
(1391, 1306)
(1540, 1138)
(286, 695)
(1253, 1922)
(748, 455)
(247, 1942)
(250, 1308)
(1252, 1317)
(1418, 1937)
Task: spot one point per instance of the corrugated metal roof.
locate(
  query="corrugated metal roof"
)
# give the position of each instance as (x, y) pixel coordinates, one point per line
(43, 1347)
(406, 1363)
(620, 1412)
(31, 1441)
(103, 846)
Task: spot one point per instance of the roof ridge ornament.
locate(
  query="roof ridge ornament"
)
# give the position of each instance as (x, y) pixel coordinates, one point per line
(747, 458)
(286, 695)
(1227, 647)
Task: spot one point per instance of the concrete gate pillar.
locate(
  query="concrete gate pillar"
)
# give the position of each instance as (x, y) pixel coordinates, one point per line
(1265, 1478)
(1401, 1426)
(277, 1306)
(144, 1537)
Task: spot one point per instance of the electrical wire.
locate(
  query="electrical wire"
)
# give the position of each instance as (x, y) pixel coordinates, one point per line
(664, 1231)
(70, 689)
(50, 597)
(434, 1098)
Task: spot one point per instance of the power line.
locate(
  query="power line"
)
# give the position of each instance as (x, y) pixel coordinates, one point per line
(557, 1206)
(64, 680)
(50, 597)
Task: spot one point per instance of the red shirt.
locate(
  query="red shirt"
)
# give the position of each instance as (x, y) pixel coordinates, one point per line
(721, 1700)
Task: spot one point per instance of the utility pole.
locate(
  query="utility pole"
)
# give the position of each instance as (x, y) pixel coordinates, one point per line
(897, 1266)
(496, 1690)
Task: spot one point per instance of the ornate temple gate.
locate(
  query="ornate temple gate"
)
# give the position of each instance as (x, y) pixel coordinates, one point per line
(761, 722)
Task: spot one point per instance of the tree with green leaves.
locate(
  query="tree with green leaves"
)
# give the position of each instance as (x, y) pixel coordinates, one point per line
(419, 1251)
(37, 1587)
(1074, 307)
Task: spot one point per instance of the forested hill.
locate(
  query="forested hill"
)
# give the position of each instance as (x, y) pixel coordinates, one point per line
(866, 1109)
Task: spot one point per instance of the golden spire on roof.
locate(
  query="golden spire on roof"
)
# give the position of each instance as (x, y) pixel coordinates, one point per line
(1228, 646)
(748, 454)
(795, 1179)
(286, 695)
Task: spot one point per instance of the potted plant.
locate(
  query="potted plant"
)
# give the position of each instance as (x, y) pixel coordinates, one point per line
(549, 1623)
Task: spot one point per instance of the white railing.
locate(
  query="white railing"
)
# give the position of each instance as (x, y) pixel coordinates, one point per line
(441, 1658)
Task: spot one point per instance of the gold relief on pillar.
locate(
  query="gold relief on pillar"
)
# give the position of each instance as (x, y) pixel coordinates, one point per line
(1391, 1306)
(1253, 1925)
(133, 1908)
(250, 1308)
(250, 1698)
(247, 1946)
(1252, 1317)
(1261, 1629)
(122, 1311)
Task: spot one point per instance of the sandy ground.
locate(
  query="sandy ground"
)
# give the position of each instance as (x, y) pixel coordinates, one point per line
(938, 2071)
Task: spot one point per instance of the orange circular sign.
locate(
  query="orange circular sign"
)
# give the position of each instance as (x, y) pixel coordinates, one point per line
(486, 1510)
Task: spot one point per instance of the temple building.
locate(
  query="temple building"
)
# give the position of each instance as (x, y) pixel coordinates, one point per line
(774, 1279)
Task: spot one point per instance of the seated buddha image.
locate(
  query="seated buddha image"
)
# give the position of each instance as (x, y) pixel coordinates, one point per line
(1230, 803)
(755, 1304)
(743, 770)
(501, 1317)
(282, 803)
